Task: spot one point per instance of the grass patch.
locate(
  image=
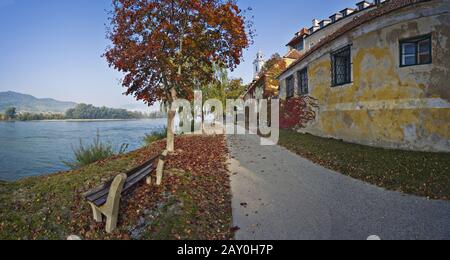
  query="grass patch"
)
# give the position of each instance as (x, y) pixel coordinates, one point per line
(155, 136)
(418, 173)
(97, 151)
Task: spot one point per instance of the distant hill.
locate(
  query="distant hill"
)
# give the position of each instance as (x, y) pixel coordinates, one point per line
(28, 103)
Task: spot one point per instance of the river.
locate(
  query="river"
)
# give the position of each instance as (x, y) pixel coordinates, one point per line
(40, 147)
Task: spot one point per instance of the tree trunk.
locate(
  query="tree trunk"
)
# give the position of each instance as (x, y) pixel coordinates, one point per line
(172, 111)
(171, 123)
(170, 130)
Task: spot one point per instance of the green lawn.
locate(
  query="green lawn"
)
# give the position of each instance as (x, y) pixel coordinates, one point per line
(418, 173)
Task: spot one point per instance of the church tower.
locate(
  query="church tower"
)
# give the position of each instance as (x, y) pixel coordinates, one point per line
(258, 64)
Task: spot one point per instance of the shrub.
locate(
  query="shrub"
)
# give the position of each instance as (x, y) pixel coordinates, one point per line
(296, 113)
(97, 151)
(11, 113)
(157, 135)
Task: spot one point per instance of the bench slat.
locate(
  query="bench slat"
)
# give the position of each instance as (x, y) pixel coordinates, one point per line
(99, 195)
(139, 177)
(104, 192)
(140, 167)
(107, 184)
(100, 188)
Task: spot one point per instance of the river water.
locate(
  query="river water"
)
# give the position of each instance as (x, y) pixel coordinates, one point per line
(40, 147)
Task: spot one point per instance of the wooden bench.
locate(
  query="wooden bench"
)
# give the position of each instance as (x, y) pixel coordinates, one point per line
(105, 199)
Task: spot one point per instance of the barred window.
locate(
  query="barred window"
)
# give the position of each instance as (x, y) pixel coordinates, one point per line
(341, 66)
(290, 87)
(415, 51)
(302, 77)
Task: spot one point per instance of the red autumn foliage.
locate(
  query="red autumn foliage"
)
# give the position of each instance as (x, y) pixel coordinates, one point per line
(297, 112)
(165, 48)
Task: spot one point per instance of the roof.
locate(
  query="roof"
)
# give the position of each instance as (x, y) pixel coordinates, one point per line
(335, 15)
(351, 9)
(363, 2)
(293, 54)
(298, 36)
(385, 8)
(305, 32)
(255, 83)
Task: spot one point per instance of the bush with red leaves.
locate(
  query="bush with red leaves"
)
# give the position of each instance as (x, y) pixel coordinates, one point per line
(297, 112)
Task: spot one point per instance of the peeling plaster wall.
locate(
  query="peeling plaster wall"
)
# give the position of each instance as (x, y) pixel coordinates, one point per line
(386, 105)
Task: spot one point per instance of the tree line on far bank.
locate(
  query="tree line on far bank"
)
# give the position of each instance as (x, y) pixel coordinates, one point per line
(81, 111)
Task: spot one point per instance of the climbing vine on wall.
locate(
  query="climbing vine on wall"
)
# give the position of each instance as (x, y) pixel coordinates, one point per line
(296, 113)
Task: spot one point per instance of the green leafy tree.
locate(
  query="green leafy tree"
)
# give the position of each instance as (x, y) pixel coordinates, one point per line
(11, 113)
(223, 87)
(41, 116)
(84, 111)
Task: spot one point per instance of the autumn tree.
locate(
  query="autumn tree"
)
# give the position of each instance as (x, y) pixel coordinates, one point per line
(273, 68)
(166, 48)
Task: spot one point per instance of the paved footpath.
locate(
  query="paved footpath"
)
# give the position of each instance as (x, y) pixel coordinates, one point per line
(279, 195)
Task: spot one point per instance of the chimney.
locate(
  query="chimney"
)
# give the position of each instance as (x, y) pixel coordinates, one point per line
(363, 5)
(336, 17)
(347, 11)
(379, 2)
(324, 23)
(315, 23)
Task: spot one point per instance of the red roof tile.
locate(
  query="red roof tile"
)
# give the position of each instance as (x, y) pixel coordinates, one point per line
(293, 54)
(298, 36)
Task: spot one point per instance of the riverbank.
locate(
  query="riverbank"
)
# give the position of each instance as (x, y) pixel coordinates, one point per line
(194, 201)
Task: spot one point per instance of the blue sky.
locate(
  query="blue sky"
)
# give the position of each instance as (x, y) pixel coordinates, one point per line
(52, 48)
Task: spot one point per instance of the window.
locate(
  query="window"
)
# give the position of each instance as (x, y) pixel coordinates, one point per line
(302, 77)
(341, 67)
(415, 51)
(290, 87)
(300, 46)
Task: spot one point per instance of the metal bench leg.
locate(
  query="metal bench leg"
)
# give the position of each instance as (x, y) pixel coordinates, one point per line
(97, 213)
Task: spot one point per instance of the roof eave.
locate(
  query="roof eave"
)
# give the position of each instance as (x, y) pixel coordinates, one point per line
(338, 33)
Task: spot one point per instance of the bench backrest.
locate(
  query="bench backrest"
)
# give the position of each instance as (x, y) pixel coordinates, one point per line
(99, 195)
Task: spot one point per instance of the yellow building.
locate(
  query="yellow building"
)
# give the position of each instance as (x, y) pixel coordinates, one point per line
(265, 85)
(381, 74)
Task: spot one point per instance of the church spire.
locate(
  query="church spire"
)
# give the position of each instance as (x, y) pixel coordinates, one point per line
(258, 64)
